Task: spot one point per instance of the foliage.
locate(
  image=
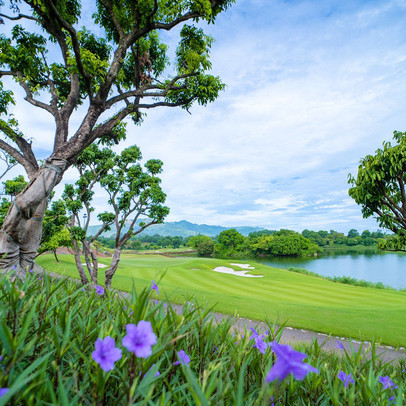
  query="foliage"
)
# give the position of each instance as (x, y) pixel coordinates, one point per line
(283, 243)
(60, 238)
(229, 243)
(4, 207)
(48, 335)
(205, 248)
(54, 231)
(203, 244)
(325, 238)
(379, 187)
(131, 191)
(120, 64)
(15, 186)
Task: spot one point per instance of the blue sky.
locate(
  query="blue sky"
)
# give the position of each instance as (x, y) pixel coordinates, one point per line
(311, 88)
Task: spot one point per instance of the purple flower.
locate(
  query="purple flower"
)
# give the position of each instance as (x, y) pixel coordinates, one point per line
(254, 333)
(3, 391)
(124, 308)
(387, 382)
(155, 287)
(165, 305)
(260, 344)
(156, 302)
(140, 338)
(131, 313)
(99, 290)
(106, 353)
(342, 376)
(184, 359)
(157, 373)
(288, 362)
(339, 345)
(392, 399)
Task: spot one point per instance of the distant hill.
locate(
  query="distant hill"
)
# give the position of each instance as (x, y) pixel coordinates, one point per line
(181, 228)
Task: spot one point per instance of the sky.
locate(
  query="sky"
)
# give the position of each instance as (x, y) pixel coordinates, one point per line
(312, 87)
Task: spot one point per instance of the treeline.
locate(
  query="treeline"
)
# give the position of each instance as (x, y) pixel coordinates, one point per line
(327, 238)
(231, 243)
(147, 242)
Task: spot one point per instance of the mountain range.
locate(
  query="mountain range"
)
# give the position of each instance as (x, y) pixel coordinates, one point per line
(179, 228)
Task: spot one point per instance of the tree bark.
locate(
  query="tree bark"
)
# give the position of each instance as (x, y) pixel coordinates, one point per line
(91, 263)
(21, 233)
(79, 266)
(111, 270)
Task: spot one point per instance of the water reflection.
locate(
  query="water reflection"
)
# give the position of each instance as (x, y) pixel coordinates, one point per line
(388, 268)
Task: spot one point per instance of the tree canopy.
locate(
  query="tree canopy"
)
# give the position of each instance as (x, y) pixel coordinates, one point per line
(125, 70)
(379, 189)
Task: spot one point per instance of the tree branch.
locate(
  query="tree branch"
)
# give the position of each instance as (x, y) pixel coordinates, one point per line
(402, 192)
(19, 17)
(76, 47)
(113, 17)
(140, 92)
(164, 104)
(30, 98)
(181, 19)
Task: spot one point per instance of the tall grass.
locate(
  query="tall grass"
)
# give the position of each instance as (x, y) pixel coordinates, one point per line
(347, 280)
(48, 333)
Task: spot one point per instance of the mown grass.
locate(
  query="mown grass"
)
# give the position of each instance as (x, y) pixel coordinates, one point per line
(48, 333)
(302, 301)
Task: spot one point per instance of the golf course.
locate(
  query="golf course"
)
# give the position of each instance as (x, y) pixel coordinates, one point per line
(299, 300)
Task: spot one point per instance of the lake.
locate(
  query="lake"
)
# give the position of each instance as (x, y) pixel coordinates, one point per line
(388, 268)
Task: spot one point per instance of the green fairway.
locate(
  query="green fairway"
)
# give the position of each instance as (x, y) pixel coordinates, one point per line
(302, 301)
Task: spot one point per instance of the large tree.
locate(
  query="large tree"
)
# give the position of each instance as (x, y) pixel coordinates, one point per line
(120, 75)
(379, 189)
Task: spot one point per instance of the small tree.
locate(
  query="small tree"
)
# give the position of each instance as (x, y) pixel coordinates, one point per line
(11, 188)
(55, 234)
(379, 189)
(203, 244)
(133, 193)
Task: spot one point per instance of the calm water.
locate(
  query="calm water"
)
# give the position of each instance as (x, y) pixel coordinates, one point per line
(388, 268)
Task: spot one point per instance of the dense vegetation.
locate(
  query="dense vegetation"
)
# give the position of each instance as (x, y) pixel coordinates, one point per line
(231, 243)
(50, 335)
(324, 238)
(379, 189)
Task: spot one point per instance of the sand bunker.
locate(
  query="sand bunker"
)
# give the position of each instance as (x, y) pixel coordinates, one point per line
(100, 265)
(244, 266)
(224, 269)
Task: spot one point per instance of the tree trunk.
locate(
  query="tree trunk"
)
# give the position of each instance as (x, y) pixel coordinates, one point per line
(79, 266)
(93, 265)
(21, 233)
(111, 270)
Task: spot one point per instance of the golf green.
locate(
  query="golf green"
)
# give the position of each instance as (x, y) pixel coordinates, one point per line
(301, 301)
